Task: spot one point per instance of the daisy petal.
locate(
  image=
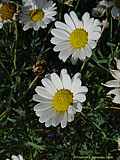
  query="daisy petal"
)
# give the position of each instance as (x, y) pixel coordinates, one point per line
(57, 119)
(26, 27)
(62, 26)
(46, 115)
(82, 89)
(38, 98)
(66, 80)
(77, 75)
(76, 85)
(20, 157)
(75, 19)
(112, 83)
(48, 123)
(61, 34)
(56, 40)
(92, 44)
(49, 86)
(42, 106)
(86, 18)
(88, 51)
(79, 107)
(115, 74)
(94, 35)
(116, 99)
(118, 63)
(114, 91)
(43, 92)
(64, 55)
(69, 21)
(70, 117)
(71, 110)
(80, 97)
(64, 121)
(14, 157)
(56, 81)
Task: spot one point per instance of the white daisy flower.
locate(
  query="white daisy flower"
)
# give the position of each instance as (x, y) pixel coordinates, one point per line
(115, 84)
(74, 37)
(37, 13)
(13, 157)
(59, 99)
(7, 12)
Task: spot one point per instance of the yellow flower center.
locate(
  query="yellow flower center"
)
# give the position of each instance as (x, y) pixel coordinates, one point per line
(78, 38)
(62, 100)
(7, 11)
(37, 15)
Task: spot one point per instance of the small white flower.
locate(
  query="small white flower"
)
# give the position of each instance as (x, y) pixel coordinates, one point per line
(115, 84)
(7, 12)
(74, 37)
(115, 12)
(59, 99)
(37, 13)
(13, 157)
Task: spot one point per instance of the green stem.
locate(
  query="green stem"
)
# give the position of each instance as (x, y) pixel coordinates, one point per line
(77, 5)
(83, 65)
(5, 70)
(15, 46)
(33, 82)
(29, 88)
(99, 65)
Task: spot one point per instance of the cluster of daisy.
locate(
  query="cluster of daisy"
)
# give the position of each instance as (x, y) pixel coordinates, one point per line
(33, 14)
(61, 96)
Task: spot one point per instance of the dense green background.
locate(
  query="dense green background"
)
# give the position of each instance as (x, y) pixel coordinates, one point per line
(94, 133)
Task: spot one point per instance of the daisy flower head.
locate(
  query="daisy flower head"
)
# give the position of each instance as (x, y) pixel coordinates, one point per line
(13, 157)
(115, 84)
(7, 12)
(76, 38)
(37, 13)
(59, 99)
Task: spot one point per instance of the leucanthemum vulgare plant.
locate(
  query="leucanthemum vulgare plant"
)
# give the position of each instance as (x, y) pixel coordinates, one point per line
(42, 92)
(59, 99)
(76, 38)
(36, 14)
